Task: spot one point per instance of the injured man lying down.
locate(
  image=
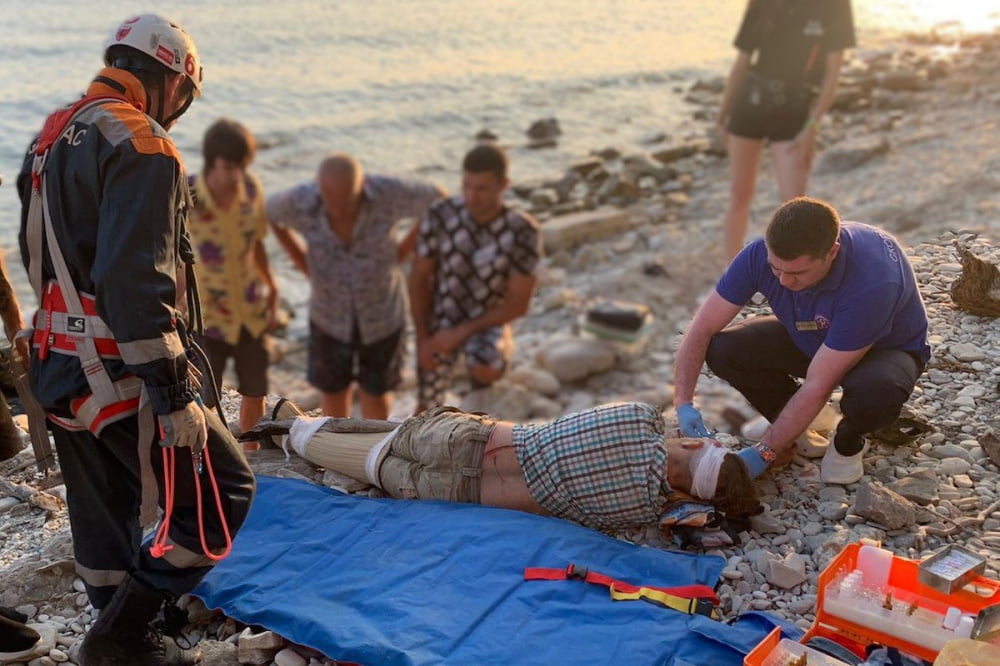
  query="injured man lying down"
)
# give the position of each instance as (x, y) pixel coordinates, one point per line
(610, 467)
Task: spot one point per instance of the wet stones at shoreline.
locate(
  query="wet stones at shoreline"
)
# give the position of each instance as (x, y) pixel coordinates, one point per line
(877, 91)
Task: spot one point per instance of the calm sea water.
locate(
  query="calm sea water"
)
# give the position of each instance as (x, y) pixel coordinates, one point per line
(405, 84)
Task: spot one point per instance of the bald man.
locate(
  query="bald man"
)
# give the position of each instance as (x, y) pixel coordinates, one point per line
(341, 231)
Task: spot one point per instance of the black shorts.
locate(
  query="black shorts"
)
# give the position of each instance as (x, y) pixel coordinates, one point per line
(249, 356)
(766, 108)
(334, 364)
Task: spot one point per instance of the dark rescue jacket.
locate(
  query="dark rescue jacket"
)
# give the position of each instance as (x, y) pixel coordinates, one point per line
(117, 200)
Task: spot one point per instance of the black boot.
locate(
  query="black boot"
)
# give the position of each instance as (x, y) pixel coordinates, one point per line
(16, 639)
(123, 634)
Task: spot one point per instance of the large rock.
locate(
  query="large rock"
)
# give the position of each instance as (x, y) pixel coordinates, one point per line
(571, 359)
(583, 167)
(544, 198)
(851, 153)
(506, 401)
(219, 653)
(680, 151)
(545, 128)
(568, 231)
(920, 487)
(534, 379)
(878, 503)
(787, 573)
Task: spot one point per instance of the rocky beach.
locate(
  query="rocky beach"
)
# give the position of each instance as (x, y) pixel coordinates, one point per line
(912, 145)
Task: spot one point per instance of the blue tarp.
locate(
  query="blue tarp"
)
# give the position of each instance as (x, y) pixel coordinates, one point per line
(393, 582)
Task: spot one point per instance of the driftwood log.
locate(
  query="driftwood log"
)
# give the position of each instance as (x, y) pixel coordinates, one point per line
(977, 290)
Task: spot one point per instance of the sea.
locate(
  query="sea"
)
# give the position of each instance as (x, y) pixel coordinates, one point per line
(406, 84)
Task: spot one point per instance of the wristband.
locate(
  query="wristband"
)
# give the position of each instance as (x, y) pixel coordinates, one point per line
(757, 458)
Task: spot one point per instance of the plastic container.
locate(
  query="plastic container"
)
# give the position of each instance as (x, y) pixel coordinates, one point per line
(875, 563)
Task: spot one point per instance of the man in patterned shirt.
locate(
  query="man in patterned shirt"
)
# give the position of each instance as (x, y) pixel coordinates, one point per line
(608, 468)
(357, 310)
(474, 273)
(238, 291)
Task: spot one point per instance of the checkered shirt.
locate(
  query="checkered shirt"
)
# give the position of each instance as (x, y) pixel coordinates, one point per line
(603, 468)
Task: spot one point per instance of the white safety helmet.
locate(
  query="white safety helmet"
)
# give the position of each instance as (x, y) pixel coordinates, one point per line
(164, 41)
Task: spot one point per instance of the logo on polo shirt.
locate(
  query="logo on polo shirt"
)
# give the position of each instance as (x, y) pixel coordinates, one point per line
(813, 28)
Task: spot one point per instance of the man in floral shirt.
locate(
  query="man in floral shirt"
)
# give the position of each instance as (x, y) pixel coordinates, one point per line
(238, 291)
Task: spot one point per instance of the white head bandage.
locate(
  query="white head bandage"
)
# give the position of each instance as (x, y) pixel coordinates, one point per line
(705, 465)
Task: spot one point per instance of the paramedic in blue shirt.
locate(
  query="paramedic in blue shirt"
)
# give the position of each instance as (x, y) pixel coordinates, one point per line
(847, 312)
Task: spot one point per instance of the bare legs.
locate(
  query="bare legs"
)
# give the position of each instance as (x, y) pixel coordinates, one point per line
(791, 171)
(744, 156)
(372, 406)
(251, 411)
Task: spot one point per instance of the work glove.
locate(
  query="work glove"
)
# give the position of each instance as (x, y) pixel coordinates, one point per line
(185, 427)
(689, 419)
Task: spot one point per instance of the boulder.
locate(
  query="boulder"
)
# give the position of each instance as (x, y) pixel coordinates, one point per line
(878, 503)
(851, 153)
(680, 151)
(544, 198)
(503, 400)
(545, 128)
(609, 153)
(584, 166)
(571, 359)
(617, 187)
(787, 573)
(568, 231)
(535, 380)
(977, 290)
(219, 653)
(990, 444)
(638, 165)
(485, 135)
(259, 648)
(920, 487)
(903, 80)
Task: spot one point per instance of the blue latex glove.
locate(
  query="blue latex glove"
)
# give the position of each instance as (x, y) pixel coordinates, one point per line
(689, 419)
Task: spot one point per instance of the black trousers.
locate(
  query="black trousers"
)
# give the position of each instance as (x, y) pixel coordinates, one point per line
(103, 496)
(759, 359)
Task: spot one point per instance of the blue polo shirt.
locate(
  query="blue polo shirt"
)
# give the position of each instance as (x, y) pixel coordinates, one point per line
(869, 297)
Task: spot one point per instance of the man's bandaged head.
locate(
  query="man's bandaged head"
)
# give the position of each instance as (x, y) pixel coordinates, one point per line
(705, 464)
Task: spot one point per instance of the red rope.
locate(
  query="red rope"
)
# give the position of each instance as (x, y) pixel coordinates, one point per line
(218, 505)
(160, 547)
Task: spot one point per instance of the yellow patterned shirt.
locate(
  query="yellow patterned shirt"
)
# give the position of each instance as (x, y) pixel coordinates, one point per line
(232, 293)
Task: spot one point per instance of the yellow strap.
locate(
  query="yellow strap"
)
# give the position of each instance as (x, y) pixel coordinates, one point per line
(657, 596)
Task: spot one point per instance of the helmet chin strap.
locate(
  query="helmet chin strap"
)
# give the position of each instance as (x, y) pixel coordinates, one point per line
(178, 113)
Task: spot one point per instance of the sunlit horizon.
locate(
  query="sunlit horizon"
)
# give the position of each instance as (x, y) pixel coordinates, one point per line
(920, 15)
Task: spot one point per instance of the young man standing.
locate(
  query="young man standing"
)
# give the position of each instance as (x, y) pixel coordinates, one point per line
(239, 294)
(357, 310)
(474, 273)
(847, 312)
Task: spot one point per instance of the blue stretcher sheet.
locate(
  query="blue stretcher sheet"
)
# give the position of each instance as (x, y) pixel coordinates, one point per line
(393, 582)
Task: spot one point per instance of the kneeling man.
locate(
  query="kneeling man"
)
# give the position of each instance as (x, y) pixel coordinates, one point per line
(847, 312)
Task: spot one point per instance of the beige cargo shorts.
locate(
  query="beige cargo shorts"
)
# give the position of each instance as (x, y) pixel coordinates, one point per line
(437, 455)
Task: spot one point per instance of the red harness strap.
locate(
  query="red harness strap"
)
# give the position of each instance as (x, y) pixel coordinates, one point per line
(692, 599)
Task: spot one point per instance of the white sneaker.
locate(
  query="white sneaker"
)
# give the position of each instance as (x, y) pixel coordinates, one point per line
(755, 428)
(840, 469)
